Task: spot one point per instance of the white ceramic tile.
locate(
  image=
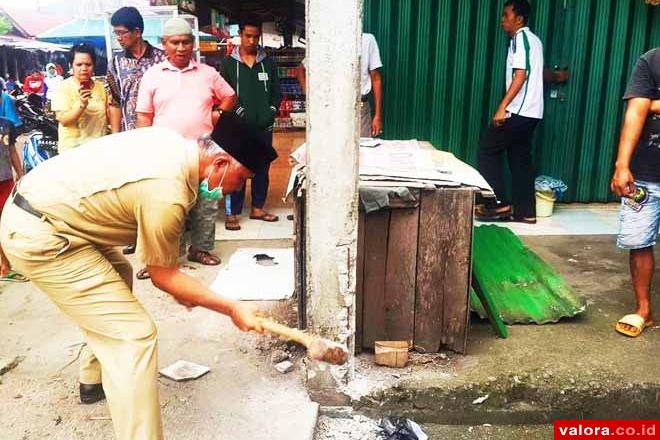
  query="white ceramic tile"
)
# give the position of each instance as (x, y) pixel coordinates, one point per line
(257, 229)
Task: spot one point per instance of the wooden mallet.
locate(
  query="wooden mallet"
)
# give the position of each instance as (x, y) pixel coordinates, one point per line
(318, 348)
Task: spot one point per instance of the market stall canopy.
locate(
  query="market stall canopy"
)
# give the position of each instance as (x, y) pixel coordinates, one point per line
(29, 44)
(93, 29)
(29, 21)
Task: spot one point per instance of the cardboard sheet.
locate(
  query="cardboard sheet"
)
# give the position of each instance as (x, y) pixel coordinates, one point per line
(401, 161)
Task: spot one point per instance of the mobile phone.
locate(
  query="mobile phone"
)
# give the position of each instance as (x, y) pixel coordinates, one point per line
(86, 84)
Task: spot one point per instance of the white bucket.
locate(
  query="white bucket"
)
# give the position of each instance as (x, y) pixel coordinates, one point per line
(545, 202)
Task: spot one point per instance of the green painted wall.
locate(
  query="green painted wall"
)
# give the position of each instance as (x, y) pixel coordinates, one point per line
(444, 76)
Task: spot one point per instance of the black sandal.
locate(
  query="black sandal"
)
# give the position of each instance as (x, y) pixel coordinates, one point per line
(500, 213)
(143, 274)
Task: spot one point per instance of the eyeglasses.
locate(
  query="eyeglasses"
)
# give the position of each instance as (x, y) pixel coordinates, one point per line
(121, 33)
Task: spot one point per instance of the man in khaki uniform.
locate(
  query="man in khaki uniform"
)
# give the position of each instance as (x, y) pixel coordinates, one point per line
(62, 226)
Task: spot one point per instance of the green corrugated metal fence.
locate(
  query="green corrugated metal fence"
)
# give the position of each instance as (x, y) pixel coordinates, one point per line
(444, 76)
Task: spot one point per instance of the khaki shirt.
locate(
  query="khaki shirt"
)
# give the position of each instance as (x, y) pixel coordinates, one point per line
(132, 187)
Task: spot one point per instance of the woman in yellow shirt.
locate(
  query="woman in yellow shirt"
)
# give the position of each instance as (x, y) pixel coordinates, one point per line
(80, 103)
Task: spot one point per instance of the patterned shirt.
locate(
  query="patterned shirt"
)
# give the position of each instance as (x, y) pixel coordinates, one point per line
(124, 76)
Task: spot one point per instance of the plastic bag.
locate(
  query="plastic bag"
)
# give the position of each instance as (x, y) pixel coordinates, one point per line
(395, 428)
(546, 184)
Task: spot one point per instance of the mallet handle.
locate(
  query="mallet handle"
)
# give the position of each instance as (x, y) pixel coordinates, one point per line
(286, 332)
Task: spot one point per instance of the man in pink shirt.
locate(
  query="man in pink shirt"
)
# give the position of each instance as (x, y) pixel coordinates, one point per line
(188, 97)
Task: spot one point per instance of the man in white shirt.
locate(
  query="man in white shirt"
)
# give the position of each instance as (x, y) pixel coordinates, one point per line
(370, 80)
(514, 122)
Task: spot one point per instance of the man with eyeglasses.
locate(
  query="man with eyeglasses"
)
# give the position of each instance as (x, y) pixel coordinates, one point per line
(126, 68)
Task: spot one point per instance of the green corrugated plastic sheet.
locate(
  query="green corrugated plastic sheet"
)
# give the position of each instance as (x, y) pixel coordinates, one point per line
(524, 288)
(444, 76)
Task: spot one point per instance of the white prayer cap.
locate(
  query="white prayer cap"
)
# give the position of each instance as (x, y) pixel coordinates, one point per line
(176, 26)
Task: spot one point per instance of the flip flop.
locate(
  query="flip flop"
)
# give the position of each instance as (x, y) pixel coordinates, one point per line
(633, 320)
(14, 277)
(265, 217)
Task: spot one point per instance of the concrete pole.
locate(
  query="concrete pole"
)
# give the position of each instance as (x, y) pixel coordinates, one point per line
(334, 33)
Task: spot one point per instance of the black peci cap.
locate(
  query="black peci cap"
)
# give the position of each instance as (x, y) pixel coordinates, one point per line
(243, 142)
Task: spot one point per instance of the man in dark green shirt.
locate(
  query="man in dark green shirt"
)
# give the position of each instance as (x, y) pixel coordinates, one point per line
(253, 75)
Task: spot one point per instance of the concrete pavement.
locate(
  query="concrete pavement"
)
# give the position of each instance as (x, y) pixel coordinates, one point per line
(242, 398)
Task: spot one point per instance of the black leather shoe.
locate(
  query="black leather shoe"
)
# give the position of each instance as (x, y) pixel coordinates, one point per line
(91, 393)
(128, 250)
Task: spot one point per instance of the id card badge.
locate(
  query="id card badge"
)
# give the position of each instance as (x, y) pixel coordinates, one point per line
(263, 76)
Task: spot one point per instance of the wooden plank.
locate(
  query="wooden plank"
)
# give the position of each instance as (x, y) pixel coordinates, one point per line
(400, 275)
(457, 234)
(443, 269)
(491, 309)
(375, 260)
(430, 274)
(359, 284)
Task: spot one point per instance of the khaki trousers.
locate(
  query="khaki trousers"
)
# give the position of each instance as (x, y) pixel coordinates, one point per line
(92, 285)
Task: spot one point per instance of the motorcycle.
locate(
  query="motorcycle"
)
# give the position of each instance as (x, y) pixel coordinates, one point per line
(40, 129)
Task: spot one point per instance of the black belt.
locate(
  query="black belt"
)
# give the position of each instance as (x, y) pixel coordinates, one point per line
(365, 98)
(22, 203)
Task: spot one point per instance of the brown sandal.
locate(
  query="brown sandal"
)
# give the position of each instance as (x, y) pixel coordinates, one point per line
(266, 217)
(203, 257)
(231, 223)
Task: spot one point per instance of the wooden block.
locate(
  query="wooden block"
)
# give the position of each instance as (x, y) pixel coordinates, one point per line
(375, 259)
(400, 275)
(359, 284)
(443, 269)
